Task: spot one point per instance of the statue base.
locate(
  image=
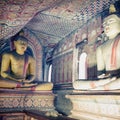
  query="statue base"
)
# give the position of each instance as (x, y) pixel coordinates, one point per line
(20, 100)
(95, 105)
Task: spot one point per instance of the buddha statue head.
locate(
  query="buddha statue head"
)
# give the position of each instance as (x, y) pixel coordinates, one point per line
(111, 23)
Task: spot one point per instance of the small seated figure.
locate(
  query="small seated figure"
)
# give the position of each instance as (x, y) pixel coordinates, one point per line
(108, 59)
(18, 69)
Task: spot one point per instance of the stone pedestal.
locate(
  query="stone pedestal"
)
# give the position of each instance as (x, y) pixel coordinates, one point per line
(16, 100)
(95, 105)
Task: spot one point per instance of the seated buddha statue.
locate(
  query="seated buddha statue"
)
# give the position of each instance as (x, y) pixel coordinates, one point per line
(108, 58)
(18, 69)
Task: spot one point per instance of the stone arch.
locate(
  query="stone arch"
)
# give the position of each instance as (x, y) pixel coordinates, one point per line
(36, 48)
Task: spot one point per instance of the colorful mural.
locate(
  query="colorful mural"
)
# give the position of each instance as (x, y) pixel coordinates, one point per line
(15, 14)
(50, 20)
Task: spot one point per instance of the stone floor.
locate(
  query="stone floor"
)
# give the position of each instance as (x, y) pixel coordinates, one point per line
(31, 115)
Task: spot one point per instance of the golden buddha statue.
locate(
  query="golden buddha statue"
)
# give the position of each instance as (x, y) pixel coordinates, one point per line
(18, 68)
(108, 58)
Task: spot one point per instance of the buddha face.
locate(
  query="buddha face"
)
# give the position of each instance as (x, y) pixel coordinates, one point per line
(21, 45)
(111, 26)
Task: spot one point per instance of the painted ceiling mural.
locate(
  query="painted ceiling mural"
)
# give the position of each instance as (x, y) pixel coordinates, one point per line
(15, 14)
(50, 20)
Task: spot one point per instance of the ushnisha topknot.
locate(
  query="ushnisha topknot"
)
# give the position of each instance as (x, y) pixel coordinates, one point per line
(112, 9)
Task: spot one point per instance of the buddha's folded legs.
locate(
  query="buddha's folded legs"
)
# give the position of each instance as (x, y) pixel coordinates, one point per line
(44, 86)
(8, 84)
(88, 85)
(4, 83)
(41, 87)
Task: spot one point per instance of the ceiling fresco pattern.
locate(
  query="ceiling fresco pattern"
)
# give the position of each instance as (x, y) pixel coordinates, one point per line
(54, 24)
(14, 14)
(50, 20)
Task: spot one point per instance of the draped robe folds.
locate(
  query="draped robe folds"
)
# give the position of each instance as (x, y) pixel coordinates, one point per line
(108, 56)
(108, 60)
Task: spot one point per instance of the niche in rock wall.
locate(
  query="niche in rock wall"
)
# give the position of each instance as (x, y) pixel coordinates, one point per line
(34, 49)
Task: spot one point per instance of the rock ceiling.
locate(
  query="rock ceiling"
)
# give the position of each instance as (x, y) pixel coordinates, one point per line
(50, 20)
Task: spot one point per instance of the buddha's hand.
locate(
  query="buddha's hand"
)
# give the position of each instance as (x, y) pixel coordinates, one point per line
(23, 81)
(104, 76)
(20, 80)
(27, 81)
